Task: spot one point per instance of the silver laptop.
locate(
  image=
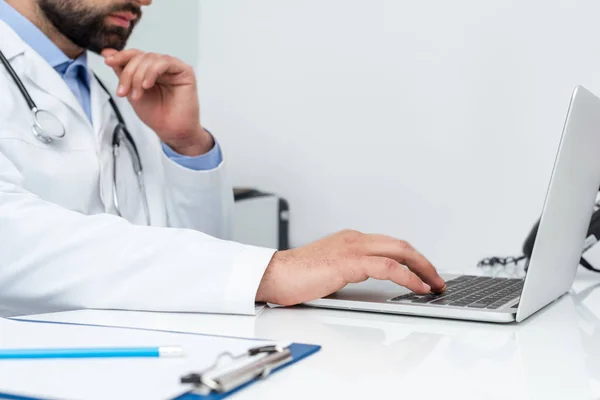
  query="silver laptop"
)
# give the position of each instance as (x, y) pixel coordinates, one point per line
(553, 264)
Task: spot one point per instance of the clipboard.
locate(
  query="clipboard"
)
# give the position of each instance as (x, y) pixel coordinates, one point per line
(226, 365)
(220, 386)
(5, 396)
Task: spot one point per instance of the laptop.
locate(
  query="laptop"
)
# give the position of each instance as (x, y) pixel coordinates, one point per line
(566, 215)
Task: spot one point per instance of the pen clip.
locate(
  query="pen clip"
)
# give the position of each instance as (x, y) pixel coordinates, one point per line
(275, 356)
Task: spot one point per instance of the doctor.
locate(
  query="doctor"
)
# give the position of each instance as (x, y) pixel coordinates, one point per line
(121, 200)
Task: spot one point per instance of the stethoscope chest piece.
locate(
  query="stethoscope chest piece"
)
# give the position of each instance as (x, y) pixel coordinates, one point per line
(46, 126)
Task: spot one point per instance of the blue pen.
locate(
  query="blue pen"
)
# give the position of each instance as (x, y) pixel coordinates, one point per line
(126, 352)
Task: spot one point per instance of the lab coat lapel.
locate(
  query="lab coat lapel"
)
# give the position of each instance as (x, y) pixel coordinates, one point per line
(104, 124)
(101, 117)
(41, 74)
(38, 71)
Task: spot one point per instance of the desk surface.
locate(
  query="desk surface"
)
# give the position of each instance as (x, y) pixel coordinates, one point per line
(553, 355)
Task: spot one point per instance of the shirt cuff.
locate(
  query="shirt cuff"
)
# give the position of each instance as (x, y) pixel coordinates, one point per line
(204, 162)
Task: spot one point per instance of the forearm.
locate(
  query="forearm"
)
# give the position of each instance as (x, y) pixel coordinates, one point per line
(53, 258)
(57, 259)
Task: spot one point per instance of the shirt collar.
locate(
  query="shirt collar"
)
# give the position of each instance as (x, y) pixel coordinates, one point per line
(38, 41)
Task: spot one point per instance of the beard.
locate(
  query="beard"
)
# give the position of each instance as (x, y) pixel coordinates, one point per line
(85, 25)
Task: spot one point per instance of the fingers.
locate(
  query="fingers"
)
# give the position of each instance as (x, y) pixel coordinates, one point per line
(126, 77)
(383, 268)
(147, 71)
(147, 79)
(139, 71)
(118, 60)
(108, 53)
(404, 253)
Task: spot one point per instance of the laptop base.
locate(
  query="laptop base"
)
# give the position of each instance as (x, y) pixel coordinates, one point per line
(374, 296)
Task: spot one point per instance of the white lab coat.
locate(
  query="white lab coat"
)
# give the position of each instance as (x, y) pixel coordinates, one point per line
(61, 244)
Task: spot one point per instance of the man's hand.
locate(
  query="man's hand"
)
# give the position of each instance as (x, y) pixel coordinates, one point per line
(163, 93)
(326, 266)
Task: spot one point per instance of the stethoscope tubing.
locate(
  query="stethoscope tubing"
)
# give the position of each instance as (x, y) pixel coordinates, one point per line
(40, 134)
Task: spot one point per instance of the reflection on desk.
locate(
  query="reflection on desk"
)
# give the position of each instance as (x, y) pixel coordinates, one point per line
(540, 359)
(553, 355)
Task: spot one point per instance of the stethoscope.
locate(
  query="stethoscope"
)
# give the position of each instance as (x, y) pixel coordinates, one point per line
(48, 128)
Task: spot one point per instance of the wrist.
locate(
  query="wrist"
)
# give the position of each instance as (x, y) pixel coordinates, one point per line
(194, 144)
(267, 284)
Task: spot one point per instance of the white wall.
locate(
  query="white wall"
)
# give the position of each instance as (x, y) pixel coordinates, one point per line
(433, 121)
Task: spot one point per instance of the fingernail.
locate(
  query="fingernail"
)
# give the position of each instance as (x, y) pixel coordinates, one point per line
(135, 94)
(146, 84)
(426, 288)
(121, 90)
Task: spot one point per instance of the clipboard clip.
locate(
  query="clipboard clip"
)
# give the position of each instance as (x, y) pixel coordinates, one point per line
(209, 380)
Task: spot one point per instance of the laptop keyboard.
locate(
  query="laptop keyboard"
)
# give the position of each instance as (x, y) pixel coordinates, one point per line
(472, 292)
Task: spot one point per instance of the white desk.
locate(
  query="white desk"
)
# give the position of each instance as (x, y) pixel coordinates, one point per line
(553, 355)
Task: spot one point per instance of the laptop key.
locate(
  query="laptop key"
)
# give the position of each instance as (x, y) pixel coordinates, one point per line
(410, 296)
(501, 303)
(427, 299)
(459, 304)
(468, 300)
(506, 300)
(442, 302)
(478, 305)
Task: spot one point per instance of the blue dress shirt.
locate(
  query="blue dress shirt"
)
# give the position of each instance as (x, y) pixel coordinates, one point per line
(76, 75)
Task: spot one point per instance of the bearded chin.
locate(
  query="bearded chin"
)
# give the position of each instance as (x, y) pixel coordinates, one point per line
(109, 38)
(86, 27)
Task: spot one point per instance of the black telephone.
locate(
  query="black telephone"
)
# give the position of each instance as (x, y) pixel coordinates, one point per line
(593, 236)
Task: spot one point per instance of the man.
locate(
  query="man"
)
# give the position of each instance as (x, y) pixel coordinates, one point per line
(69, 241)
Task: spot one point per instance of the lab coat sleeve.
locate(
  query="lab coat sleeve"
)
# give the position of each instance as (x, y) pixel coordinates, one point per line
(52, 258)
(200, 200)
(204, 162)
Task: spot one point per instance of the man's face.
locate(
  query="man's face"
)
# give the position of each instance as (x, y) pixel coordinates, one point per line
(93, 24)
